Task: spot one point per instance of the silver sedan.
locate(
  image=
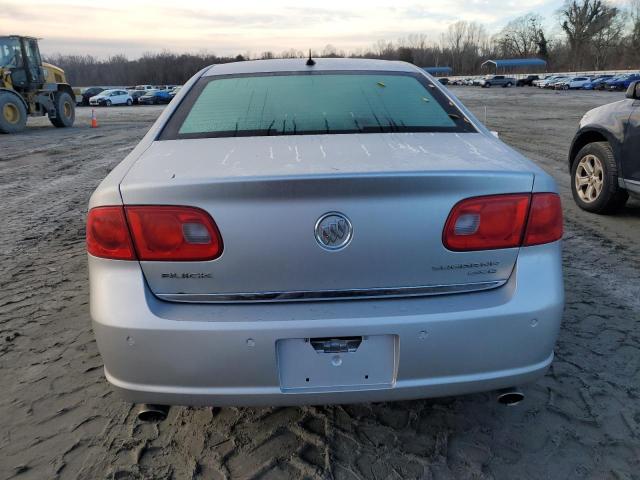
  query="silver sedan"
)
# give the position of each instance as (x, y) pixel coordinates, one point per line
(323, 231)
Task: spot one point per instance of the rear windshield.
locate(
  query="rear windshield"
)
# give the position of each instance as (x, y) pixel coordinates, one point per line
(313, 103)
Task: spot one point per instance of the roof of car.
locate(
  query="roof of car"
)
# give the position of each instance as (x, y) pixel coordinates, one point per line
(299, 64)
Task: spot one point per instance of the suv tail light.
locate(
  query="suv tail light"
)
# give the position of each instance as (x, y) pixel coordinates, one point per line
(163, 233)
(503, 221)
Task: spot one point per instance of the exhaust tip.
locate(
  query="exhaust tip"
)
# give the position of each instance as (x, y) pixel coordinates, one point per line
(510, 397)
(152, 413)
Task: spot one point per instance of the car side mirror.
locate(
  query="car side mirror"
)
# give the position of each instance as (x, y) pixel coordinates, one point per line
(633, 91)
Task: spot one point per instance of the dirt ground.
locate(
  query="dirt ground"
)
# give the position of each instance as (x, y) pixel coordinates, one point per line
(60, 419)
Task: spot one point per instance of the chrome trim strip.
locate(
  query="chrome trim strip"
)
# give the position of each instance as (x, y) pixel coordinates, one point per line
(295, 296)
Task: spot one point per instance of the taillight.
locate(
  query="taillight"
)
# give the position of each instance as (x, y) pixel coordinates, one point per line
(503, 221)
(168, 233)
(164, 233)
(545, 219)
(108, 235)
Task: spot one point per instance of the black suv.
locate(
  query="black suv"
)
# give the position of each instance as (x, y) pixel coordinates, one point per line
(605, 155)
(88, 93)
(528, 81)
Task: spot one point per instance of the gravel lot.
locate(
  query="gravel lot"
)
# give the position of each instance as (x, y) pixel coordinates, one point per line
(60, 419)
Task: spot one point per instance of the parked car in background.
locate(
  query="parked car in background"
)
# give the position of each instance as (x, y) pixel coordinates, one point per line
(572, 83)
(497, 81)
(595, 82)
(554, 81)
(443, 80)
(88, 93)
(231, 254)
(155, 97)
(623, 81)
(136, 94)
(604, 158)
(145, 87)
(111, 97)
(536, 83)
(606, 85)
(175, 91)
(547, 80)
(527, 81)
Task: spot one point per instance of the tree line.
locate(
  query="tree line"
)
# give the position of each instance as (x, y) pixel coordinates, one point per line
(593, 35)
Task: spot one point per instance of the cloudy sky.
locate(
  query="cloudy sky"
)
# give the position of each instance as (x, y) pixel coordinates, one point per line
(238, 26)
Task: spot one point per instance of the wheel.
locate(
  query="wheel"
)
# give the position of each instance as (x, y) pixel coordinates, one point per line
(594, 179)
(508, 85)
(107, 103)
(565, 87)
(487, 85)
(65, 110)
(13, 114)
(129, 102)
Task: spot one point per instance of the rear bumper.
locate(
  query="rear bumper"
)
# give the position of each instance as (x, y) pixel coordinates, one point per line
(196, 354)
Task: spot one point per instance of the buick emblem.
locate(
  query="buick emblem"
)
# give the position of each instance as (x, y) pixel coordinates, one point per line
(333, 231)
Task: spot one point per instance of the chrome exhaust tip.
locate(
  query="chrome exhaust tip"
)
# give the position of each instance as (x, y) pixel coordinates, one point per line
(510, 397)
(152, 413)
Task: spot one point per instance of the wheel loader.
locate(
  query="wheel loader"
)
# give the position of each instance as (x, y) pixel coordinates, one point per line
(31, 87)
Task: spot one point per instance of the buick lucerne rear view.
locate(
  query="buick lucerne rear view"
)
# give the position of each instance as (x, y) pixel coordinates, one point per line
(325, 232)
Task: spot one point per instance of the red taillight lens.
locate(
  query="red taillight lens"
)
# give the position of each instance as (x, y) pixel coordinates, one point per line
(108, 235)
(500, 221)
(168, 233)
(545, 219)
(486, 223)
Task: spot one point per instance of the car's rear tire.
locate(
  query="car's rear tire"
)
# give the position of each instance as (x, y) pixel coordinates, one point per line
(107, 103)
(129, 102)
(65, 110)
(508, 85)
(594, 179)
(487, 85)
(13, 114)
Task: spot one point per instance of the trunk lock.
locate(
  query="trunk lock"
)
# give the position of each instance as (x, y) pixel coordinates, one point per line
(335, 345)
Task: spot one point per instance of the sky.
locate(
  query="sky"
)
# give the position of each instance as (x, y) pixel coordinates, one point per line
(244, 26)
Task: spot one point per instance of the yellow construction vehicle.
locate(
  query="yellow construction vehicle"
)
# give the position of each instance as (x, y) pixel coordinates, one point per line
(30, 87)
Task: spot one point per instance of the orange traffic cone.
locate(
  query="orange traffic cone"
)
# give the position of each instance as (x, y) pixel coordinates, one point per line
(94, 120)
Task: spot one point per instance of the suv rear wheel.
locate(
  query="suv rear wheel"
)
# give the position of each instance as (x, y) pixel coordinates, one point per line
(594, 179)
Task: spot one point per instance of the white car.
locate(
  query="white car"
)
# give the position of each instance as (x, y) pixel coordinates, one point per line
(550, 80)
(111, 97)
(145, 87)
(572, 83)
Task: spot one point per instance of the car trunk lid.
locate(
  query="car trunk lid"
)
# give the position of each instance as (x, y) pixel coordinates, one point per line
(267, 195)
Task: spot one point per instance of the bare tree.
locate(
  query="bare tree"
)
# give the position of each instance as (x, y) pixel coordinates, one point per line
(385, 49)
(522, 37)
(582, 20)
(453, 41)
(634, 40)
(607, 42)
(329, 51)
